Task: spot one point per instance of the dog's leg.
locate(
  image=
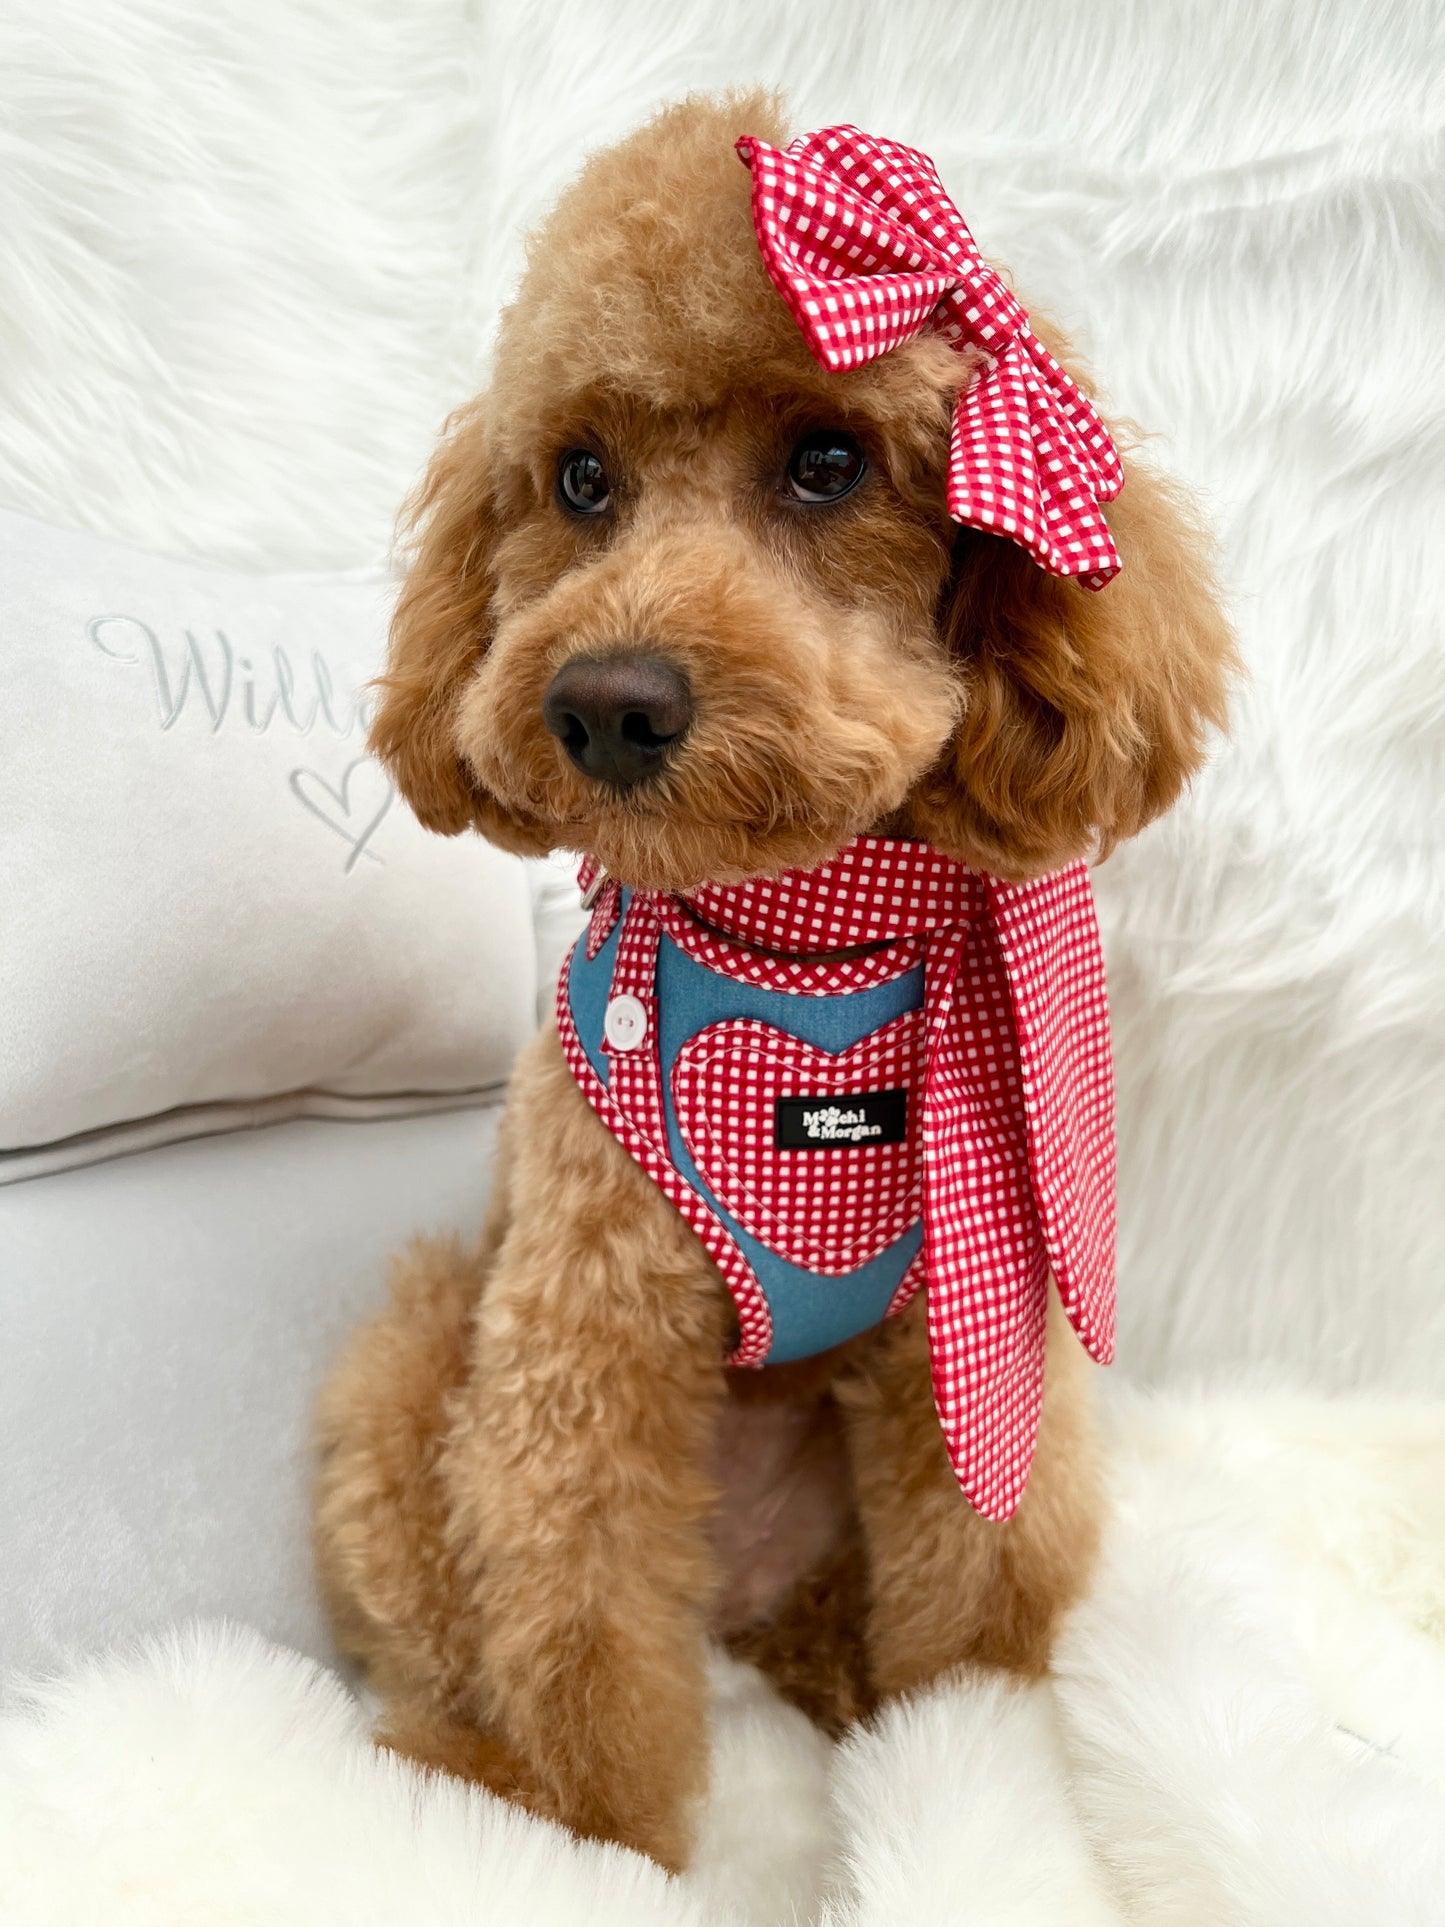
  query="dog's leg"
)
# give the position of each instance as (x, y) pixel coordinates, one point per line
(946, 1586)
(378, 1510)
(575, 1474)
(378, 1507)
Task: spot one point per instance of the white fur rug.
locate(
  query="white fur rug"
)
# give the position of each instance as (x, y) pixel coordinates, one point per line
(1247, 1730)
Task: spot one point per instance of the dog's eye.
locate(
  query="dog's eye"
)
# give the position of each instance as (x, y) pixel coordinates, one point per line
(825, 465)
(582, 482)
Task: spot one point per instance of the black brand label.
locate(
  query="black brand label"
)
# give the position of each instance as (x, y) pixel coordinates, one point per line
(825, 1123)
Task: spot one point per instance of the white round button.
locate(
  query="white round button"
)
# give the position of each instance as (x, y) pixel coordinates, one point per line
(624, 1024)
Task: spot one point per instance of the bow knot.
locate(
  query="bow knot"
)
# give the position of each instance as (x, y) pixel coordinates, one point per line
(868, 251)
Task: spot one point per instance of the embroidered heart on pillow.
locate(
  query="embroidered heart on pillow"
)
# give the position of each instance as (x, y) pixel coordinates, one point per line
(829, 1206)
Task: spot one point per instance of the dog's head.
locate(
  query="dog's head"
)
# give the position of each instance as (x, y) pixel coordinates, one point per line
(684, 599)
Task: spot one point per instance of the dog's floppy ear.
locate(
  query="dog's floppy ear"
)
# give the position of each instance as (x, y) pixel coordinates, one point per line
(439, 628)
(1085, 711)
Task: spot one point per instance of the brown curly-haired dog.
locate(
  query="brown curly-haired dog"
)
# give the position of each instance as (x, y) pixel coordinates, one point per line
(539, 1487)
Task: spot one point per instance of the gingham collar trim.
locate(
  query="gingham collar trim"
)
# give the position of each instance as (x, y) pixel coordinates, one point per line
(877, 890)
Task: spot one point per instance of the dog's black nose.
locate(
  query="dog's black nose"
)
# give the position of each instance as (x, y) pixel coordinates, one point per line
(618, 716)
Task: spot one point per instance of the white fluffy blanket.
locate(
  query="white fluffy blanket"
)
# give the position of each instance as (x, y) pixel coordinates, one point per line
(1247, 1730)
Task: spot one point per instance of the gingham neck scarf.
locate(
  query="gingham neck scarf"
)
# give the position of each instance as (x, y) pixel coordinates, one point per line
(867, 250)
(1017, 1107)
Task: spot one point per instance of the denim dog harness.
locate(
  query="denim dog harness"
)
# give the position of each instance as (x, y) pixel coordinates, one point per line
(852, 1081)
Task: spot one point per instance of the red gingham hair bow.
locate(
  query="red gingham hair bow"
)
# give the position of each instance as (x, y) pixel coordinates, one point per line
(867, 250)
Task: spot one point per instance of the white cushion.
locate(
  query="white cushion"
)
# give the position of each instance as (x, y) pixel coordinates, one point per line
(215, 907)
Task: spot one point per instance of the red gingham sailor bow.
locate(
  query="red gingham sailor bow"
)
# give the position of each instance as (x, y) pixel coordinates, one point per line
(1017, 1107)
(867, 250)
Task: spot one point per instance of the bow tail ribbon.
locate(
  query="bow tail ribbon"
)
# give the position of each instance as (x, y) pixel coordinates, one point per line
(1019, 1173)
(1030, 460)
(1064, 416)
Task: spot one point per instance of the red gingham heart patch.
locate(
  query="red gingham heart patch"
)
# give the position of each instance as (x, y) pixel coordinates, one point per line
(827, 1210)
